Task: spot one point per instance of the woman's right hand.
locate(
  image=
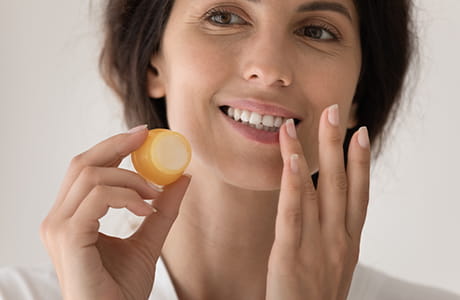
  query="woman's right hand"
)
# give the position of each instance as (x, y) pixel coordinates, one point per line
(89, 264)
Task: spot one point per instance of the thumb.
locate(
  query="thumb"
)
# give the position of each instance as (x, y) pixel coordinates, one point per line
(155, 228)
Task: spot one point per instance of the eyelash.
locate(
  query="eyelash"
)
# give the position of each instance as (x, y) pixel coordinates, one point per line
(219, 11)
(333, 32)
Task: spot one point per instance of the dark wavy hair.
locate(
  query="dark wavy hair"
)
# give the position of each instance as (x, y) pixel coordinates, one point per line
(133, 30)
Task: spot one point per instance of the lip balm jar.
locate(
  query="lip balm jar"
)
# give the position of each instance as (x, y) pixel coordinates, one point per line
(163, 157)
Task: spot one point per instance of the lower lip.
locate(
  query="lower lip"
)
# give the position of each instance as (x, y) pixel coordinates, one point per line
(261, 136)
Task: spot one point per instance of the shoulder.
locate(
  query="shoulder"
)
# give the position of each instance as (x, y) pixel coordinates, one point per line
(24, 283)
(369, 283)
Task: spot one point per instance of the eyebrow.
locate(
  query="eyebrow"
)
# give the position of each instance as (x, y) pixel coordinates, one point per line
(324, 5)
(321, 5)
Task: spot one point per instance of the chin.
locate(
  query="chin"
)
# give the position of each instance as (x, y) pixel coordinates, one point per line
(254, 179)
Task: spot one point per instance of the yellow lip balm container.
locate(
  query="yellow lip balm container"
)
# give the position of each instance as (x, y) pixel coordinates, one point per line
(163, 157)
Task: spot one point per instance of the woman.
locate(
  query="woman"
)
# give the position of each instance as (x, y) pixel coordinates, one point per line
(268, 93)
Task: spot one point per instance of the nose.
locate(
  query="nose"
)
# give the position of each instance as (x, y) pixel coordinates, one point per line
(266, 62)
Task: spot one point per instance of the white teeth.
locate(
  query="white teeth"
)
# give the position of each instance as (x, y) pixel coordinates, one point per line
(255, 120)
(268, 120)
(237, 114)
(278, 121)
(230, 112)
(245, 116)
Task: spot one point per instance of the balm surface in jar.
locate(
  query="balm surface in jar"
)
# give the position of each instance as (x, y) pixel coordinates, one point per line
(163, 157)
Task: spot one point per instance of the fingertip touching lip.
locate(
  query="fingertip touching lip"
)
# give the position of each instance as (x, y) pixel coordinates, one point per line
(261, 108)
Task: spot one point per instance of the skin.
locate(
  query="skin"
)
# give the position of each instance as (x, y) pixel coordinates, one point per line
(291, 241)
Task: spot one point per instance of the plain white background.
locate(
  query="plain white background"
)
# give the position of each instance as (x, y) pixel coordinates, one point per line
(53, 105)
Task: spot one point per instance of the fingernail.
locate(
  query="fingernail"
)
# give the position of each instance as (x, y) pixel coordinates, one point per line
(137, 129)
(294, 163)
(148, 203)
(363, 137)
(333, 114)
(291, 128)
(156, 187)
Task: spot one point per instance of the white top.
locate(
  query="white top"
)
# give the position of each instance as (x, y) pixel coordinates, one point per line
(40, 283)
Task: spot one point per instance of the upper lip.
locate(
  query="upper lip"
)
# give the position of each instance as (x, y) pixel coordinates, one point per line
(262, 107)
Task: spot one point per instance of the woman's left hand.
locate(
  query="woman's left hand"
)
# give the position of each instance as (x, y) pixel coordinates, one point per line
(318, 232)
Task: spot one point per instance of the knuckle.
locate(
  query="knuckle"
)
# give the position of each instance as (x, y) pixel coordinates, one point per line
(336, 138)
(45, 229)
(51, 231)
(99, 190)
(91, 174)
(292, 217)
(339, 180)
(309, 191)
(79, 160)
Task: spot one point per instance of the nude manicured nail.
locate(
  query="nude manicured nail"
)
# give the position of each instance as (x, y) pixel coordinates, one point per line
(294, 161)
(156, 187)
(363, 137)
(149, 204)
(137, 128)
(333, 115)
(291, 128)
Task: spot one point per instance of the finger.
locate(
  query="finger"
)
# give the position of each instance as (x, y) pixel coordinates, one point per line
(100, 199)
(297, 217)
(94, 176)
(155, 228)
(358, 170)
(108, 153)
(332, 183)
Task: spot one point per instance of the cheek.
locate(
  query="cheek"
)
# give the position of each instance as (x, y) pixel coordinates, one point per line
(197, 70)
(332, 81)
(197, 61)
(327, 82)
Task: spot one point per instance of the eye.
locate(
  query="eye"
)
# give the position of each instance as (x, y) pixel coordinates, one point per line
(222, 17)
(318, 32)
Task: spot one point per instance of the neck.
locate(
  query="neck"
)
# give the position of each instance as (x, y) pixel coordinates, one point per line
(219, 246)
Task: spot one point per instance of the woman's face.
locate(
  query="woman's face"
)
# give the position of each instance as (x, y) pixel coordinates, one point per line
(289, 58)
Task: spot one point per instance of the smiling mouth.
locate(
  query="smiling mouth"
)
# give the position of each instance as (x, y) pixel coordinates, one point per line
(270, 123)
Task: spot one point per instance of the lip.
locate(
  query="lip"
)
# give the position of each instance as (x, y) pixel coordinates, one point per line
(262, 107)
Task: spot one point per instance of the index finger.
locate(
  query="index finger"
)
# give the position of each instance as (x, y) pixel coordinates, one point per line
(108, 153)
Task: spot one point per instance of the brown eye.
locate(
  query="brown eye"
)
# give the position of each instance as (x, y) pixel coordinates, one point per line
(222, 17)
(317, 33)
